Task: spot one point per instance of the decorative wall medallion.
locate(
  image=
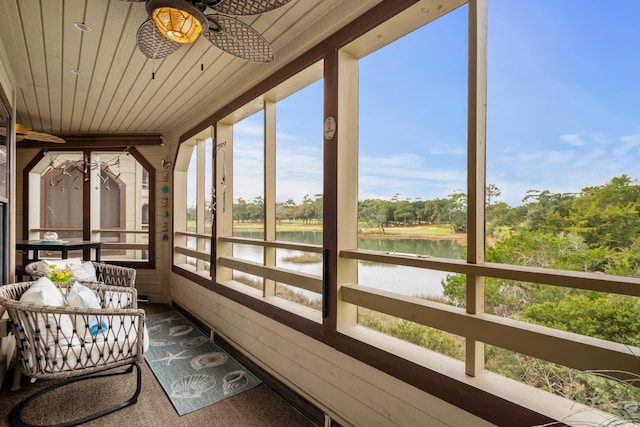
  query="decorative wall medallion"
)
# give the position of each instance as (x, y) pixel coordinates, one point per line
(329, 127)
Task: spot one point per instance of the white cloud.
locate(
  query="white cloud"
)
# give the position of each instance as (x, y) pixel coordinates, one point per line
(573, 139)
(629, 144)
(408, 175)
(631, 139)
(450, 151)
(298, 172)
(563, 171)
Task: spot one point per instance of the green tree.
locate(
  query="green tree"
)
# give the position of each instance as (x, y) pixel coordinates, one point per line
(240, 210)
(606, 316)
(317, 206)
(547, 212)
(304, 210)
(403, 212)
(282, 212)
(457, 211)
(435, 211)
(255, 209)
(500, 215)
(608, 215)
(418, 210)
(491, 192)
(374, 212)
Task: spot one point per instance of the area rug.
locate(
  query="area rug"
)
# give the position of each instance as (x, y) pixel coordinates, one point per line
(192, 369)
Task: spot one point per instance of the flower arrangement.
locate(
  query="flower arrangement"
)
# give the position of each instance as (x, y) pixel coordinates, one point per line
(56, 274)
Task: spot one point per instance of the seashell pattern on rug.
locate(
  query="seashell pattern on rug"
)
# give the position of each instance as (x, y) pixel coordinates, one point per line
(234, 381)
(209, 360)
(192, 386)
(194, 341)
(180, 330)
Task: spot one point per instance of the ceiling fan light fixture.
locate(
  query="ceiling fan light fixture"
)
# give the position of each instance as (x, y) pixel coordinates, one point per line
(177, 20)
(177, 25)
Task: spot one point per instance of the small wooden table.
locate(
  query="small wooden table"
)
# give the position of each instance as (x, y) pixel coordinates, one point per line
(64, 246)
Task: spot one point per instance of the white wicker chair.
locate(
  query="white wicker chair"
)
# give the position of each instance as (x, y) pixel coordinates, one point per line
(108, 274)
(47, 348)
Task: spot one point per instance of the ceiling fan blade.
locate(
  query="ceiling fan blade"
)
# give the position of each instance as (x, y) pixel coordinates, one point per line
(248, 7)
(39, 136)
(239, 39)
(152, 43)
(25, 133)
(22, 128)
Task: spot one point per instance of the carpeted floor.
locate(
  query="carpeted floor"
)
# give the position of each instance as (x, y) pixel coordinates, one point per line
(257, 407)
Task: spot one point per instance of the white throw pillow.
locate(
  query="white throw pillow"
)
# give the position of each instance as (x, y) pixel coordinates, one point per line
(44, 266)
(53, 327)
(43, 292)
(84, 271)
(86, 326)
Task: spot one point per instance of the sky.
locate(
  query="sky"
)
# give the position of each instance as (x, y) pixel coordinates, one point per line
(562, 108)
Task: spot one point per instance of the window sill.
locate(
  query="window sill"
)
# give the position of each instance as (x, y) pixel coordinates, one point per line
(533, 399)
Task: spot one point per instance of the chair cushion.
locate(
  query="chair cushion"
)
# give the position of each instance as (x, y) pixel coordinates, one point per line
(119, 343)
(86, 326)
(51, 343)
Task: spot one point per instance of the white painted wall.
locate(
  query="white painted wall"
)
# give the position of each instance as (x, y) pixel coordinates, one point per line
(349, 391)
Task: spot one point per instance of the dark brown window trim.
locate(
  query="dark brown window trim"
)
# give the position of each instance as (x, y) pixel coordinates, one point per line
(96, 140)
(196, 278)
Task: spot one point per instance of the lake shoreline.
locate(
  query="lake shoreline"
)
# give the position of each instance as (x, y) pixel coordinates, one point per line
(423, 231)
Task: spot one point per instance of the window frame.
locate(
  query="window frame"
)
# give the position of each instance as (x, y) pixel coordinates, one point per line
(180, 253)
(7, 199)
(338, 327)
(86, 205)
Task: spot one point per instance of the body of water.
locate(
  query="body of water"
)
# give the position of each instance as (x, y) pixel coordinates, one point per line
(403, 280)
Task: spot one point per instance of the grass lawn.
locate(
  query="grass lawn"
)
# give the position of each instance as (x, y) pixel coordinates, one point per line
(432, 231)
(425, 230)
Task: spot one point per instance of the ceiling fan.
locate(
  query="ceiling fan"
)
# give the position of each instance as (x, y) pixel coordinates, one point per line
(25, 133)
(173, 23)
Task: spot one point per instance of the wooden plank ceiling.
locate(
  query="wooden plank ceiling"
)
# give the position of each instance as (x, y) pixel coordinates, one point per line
(115, 91)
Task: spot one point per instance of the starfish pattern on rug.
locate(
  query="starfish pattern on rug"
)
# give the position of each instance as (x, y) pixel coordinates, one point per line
(170, 319)
(171, 357)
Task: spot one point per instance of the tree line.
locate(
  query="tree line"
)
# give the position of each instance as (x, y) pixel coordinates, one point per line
(376, 213)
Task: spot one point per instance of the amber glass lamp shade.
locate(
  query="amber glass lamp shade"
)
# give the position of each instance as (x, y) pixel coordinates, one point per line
(177, 25)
